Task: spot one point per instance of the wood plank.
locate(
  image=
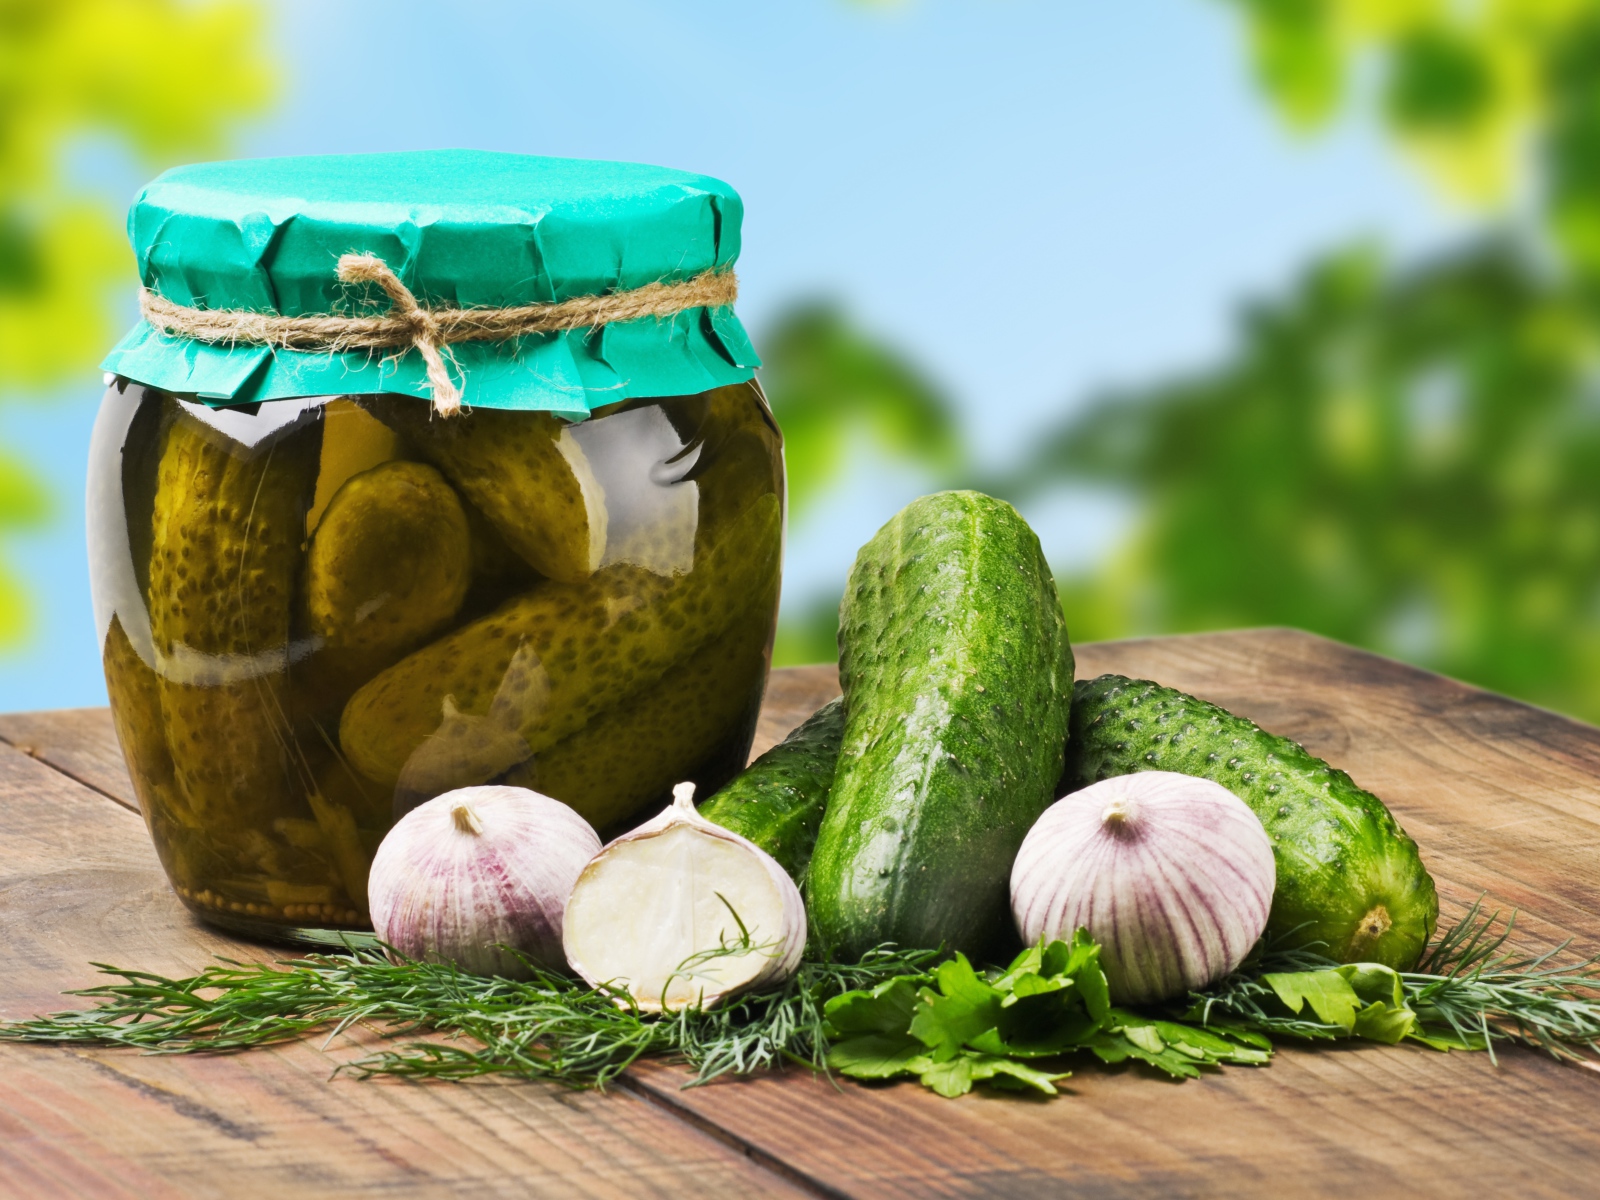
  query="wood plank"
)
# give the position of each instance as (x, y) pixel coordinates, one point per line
(1502, 797)
(79, 882)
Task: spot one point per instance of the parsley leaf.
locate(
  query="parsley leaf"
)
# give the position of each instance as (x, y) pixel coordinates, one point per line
(959, 1026)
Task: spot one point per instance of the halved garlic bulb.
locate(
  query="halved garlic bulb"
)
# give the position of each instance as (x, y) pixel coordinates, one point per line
(478, 869)
(1171, 874)
(658, 913)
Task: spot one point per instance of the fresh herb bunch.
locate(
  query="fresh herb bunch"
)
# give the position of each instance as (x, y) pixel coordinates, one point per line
(894, 1013)
(548, 1027)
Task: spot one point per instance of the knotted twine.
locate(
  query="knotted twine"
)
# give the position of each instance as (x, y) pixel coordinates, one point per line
(431, 331)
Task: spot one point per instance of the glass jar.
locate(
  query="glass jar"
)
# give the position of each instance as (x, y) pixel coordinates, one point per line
(424, 471)
(319, 613)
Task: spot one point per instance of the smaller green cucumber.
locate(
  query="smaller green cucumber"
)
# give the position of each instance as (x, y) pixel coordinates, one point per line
(1349, 878)
(778, 800)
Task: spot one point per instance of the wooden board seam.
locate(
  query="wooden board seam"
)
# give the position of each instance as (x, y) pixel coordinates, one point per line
(663, 1100)
(59, 770)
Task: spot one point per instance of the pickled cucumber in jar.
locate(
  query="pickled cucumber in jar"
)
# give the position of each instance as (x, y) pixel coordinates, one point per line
(387, 567)
(548, 662)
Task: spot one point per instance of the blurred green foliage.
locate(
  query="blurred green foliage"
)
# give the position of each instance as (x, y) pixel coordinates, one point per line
(1407, 461)
(1461, 85)
(162, 79)
(836, 390)
(1403, 457)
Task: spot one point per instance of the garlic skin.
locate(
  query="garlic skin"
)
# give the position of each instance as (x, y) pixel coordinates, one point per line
(477, 869)
(667, 892)
(1171, 874)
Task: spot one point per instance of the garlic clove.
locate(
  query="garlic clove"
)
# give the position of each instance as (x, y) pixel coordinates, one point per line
(1172, 875)
(473, 871)
(657, 913)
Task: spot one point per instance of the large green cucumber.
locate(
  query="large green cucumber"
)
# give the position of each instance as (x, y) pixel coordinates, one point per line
(957, 678)
(1348, 876)
(778, 800)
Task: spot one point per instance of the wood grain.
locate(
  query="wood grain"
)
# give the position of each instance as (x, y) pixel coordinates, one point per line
(1503, 798)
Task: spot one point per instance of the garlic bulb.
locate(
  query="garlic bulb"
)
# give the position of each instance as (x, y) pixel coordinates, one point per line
(654, 913)
(478, 869)
(1171, 874)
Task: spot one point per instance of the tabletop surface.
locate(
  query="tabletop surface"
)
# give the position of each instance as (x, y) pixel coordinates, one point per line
(1503, 799)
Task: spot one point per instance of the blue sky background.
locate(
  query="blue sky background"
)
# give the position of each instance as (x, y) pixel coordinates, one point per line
(1033, 200)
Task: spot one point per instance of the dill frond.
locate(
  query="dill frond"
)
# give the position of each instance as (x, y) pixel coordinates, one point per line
(549, 1026)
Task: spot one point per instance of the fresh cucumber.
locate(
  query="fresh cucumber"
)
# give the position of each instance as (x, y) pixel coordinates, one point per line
(778, 800)
(957, 677)
(1348, 876)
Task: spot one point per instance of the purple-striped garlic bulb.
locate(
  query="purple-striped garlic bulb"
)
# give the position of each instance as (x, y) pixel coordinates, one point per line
(476, 870)
(681, 912)
(1170, 874)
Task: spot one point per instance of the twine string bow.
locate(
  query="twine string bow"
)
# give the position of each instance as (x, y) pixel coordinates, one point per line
(430, 331)
(369, 268)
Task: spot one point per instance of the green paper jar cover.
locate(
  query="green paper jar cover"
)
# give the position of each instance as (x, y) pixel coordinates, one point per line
(460, 228)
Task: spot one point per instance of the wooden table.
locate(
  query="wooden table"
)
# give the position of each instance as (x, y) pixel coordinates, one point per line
(1502, 797)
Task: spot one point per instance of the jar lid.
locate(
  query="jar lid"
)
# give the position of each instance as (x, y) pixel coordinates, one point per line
(458, 229)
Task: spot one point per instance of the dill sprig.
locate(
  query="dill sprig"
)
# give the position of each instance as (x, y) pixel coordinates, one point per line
(1467, 992)
(549, 1026)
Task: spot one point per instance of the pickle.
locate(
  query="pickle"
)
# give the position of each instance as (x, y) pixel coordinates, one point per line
(523, 470)
(349, 818)
(389, 564)
(578, 650)
(340, 784)
(341, 840)
(226, 542)
(353, 441)
(740, 407)
(197, 858)
(695, 723)
(741, 455)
